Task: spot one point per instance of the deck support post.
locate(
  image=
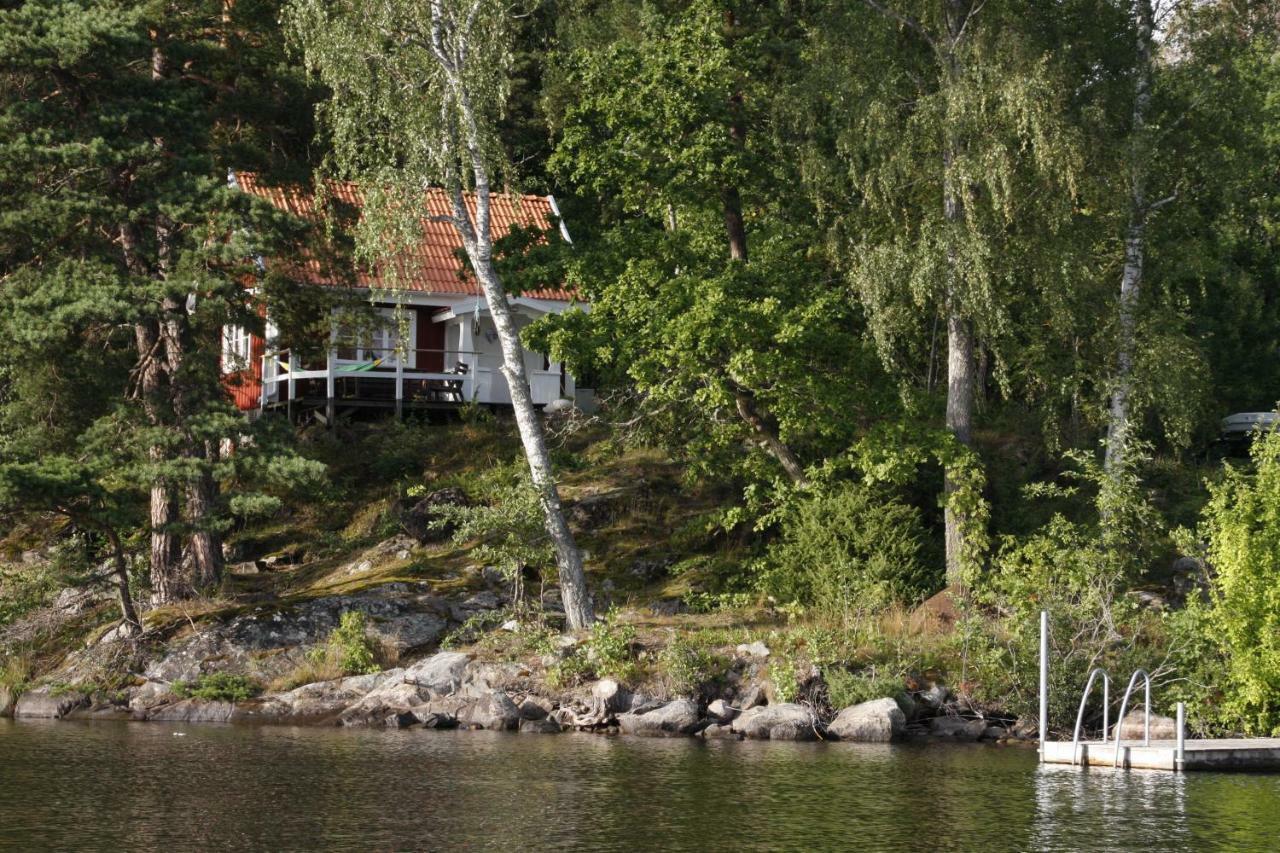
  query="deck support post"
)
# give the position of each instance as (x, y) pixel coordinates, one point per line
(329, 405)
(399, 387)
(1044, 679)
(1180, 753)
(292, 394)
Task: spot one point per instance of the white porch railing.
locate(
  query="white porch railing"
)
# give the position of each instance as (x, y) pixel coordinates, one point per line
(383, 376)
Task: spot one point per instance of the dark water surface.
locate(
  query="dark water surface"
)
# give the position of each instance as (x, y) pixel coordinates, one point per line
(149, 786)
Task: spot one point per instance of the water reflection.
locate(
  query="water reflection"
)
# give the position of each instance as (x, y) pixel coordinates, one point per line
(142, 787)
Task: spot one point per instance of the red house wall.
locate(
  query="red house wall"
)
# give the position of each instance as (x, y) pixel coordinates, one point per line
(245, 386)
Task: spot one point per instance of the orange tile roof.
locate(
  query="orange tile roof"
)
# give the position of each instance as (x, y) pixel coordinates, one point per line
(433, 266)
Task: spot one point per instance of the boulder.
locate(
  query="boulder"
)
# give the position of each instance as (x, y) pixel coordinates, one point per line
(778, 722)
(722, 711)
(420, 520)
(546, 727)
(994, 732)
(720, 732)
(957, 727)
(48, 703)
(193, 711)
(442, 674)
(437, 720)
(754, 650)
(495, 712)
(1162, 728)
(318, 702)
(6, 702)
(752, 696)
(672, 719)
(536, 708)
(877, 721)
(381, 703)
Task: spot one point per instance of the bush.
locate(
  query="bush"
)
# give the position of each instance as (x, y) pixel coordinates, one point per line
(1242, 527)
(217, 687)
(845, 688)
(351, 645)
(348, 651)
(687, 666)
(847, 550)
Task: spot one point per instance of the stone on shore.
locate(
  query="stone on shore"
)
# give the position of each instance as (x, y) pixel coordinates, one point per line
(778, 722)
(957, 727)
(1162, 728)
(6, 701)
(46, 703)
(877, 721)
(193, 711)
(495, 712)
(722, 711)
(442, 674)
(679, 717)
(543, 726)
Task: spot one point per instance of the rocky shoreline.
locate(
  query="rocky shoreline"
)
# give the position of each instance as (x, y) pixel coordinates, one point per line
(111, 677)
(453, 690)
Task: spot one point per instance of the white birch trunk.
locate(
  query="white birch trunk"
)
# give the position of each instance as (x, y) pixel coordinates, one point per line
(477, 239)
(1118, 426)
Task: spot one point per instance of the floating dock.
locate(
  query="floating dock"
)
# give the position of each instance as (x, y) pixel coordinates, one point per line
(1146, 753)
(1233, 754)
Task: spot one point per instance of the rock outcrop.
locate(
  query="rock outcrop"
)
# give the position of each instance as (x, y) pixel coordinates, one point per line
(676, 718)
(49, 703)
(877, 721)
(778, 722)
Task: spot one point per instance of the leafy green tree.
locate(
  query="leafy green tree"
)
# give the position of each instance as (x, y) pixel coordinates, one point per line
(709, 291)
(945, 141)
(422, 109)
(121, 120)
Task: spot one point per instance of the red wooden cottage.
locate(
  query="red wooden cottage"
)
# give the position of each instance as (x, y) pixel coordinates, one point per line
(431, 345)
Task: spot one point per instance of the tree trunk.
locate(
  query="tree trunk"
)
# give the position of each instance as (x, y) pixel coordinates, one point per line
(1118, 426)
(164, 551)
(206, 542)
(767, 431)
(478, 241)
(961, 370)
(764, 426)
(133, 625)
(960, 392)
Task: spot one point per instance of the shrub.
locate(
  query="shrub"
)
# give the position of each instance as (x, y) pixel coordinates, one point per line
(349, 650)
(351, 646)
(845, 688)
(217, 687)
(1242, 526)
(687, 666)
(847, 550)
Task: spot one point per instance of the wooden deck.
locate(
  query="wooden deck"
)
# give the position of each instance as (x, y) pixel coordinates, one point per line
(1227, 754)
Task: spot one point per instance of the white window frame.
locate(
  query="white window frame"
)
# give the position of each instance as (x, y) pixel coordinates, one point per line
(385, 340)
(237, 349)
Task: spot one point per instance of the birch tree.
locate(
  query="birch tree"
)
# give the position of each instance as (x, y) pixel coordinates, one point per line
(957, 170)
(1140, 208)
(418, 90)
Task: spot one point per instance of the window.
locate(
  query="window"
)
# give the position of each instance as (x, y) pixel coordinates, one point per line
(360, 341)
(237, 349)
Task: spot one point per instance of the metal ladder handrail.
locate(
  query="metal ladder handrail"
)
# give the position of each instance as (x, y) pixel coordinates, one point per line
(1146, 722)
(1084, 698)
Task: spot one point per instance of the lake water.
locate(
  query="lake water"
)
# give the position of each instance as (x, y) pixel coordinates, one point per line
(149, 786)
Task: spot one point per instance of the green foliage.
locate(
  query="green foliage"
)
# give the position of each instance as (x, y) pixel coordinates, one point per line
(1242, 526)
(784, 675)
(508, 530)
(688, 665)
(845, 688)
(608, 651)
(351, 646)
(23, 589)
(217, 687)
(846, 549)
